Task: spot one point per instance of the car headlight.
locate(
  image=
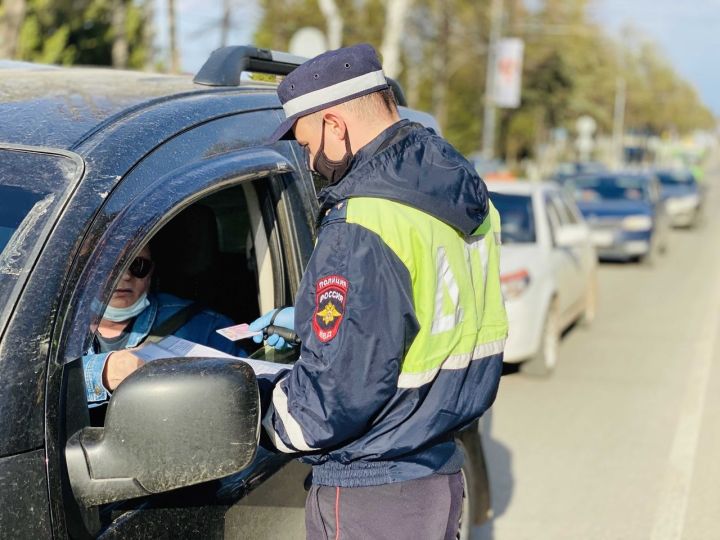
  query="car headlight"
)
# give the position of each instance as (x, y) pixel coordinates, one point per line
(637, 223)
(514, 284)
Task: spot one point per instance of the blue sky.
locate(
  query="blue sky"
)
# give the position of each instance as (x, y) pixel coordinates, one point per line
(687, 31)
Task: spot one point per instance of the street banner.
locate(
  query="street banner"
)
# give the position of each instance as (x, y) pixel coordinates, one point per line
(508, 72)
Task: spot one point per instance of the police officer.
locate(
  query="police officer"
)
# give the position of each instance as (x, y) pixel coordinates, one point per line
(399, 311)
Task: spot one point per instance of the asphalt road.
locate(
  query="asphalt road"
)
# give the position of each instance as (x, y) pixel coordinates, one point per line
(623, 440)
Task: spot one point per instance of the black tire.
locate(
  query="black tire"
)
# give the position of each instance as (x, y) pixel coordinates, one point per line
(467, 515)
(476, 495)
(544, 361)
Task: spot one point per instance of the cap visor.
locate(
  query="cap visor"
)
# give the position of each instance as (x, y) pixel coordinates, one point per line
(283, 131)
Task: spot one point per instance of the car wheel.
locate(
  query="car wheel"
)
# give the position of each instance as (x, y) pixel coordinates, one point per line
(591, 295)
(475, 490)
(466, 518)
(543, 362)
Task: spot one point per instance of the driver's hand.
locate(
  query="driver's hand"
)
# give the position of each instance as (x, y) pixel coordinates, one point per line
(118, 366)
(284, 318)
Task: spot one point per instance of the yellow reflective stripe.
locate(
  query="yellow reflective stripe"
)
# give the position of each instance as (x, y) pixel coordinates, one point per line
(455, 280)
(453, 362)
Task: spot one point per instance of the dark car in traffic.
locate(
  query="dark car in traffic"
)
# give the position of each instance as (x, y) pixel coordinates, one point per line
(93, 164)
(625, 212)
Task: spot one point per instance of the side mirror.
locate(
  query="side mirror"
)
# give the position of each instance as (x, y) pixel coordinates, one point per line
(571, 235)
(173, 423)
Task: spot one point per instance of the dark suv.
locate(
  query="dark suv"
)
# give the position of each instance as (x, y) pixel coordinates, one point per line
(93, 164)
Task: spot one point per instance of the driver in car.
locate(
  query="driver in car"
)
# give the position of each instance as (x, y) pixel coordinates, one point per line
(132, 315)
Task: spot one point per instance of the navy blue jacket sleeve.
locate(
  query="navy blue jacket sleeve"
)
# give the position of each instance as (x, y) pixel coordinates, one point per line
(354, 313)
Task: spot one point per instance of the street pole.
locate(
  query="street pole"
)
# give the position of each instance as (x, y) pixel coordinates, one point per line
(488, 140)
(619, 121)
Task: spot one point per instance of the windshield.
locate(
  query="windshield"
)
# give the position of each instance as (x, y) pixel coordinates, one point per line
(610, 188)
(15, 204)
(33, 188)
(516, 218)
(675, 178)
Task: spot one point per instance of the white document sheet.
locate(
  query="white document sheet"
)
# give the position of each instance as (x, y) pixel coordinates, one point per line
(175, 347)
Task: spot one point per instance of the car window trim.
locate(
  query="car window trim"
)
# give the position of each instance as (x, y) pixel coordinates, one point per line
(82, 306)
(47, 229)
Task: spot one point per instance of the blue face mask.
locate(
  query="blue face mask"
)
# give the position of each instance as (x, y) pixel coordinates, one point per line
(115, 314)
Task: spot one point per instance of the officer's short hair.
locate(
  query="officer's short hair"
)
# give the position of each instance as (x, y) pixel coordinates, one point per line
(369, 106)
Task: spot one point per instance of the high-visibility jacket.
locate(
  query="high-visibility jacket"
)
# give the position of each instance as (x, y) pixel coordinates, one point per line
(401, 317)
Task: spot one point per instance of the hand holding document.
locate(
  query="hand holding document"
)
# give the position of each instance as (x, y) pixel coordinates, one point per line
(175, 347)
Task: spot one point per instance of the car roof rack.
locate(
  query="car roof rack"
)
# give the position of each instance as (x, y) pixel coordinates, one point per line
(226, 64)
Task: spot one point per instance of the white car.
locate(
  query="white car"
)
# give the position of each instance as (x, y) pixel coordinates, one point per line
(548, 270)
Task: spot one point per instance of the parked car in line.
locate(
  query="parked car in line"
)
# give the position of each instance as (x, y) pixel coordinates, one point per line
(548, 270)
(682, 196)
(93, 163)
(571, 169)
(625, 212)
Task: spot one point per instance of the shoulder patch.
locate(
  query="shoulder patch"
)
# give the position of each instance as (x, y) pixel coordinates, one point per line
(330, 301)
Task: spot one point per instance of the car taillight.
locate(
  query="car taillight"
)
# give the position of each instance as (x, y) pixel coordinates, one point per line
(514, 283)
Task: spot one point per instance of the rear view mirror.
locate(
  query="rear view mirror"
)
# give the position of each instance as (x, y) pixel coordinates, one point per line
(173, 423)
(571, 235)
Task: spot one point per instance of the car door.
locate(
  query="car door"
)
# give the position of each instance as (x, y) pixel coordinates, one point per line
(259, 204)
(566, 260)
(585, 250)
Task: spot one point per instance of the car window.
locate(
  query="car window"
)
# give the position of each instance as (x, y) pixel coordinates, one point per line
(217, 252)
(553, 215)
(568, 215)
(34, 186)
(15, 206)
(675, 178)
(516, 217)
(606, 188)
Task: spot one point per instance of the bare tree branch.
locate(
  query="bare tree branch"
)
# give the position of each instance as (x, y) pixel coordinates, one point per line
(334, 22)
(10, 24)
(396, 15)
(120, 46)
(172, 31)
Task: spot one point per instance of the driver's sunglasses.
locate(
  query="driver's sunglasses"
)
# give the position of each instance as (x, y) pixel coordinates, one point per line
(140, 267)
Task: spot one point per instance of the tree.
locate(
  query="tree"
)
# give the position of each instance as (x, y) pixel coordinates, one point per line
(82, 32)
(334, 20)
(12, 13)
(395, 18)
(437, 50)
(172, 32)
(120, 45)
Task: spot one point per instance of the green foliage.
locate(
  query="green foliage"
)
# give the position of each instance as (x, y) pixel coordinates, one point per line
(571, 68)
(79, 32)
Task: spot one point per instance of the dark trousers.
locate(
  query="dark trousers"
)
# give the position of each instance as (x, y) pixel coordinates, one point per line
(424, 509)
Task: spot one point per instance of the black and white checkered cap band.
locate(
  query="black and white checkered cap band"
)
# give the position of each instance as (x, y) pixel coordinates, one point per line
(334, 93)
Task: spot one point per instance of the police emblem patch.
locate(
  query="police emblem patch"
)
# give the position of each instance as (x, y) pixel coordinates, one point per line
(330, 298)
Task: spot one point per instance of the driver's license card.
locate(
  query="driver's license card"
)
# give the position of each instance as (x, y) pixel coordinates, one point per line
(237, 332)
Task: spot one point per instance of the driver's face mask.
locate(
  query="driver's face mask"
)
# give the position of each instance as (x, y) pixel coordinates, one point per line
(332, 170)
